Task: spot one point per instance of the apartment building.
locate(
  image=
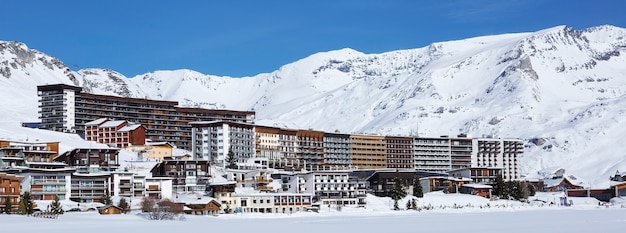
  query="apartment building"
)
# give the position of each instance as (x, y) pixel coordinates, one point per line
(67, 108)
(478, 175)
(91, 159)
(118, 134)
(90, 187)
(368, 151)
(337, 150)
(310, 145)
(256, 179)
(288, 148)
(46, 181)
(33, 151)
(157, 151)
(186, 175)
(460, 152)
(213, 141)
(498, 153)
(130, 184)
(432, 154)
(399, 152)
(267, 142)
(272, 202)
(9, 188)
(57, 107)
(332, 187)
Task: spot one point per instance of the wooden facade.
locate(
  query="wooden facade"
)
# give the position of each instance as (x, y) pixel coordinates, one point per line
(110, 209)
(211, 207)
(91, 159)
(9, 188)
(30, 151)
(368, 151)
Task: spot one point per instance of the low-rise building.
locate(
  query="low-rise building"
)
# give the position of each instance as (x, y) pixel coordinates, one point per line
(9, 188)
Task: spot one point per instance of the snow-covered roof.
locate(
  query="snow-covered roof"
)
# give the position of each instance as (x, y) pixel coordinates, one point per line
(192, 199)
(112, 124)
(97, 121)
(478, 186)
(129, 128)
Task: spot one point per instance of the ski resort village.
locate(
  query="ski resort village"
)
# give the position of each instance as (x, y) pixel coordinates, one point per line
(154, 156)
(513, 131)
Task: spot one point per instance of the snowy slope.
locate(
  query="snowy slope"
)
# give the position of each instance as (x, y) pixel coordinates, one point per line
(560, 89)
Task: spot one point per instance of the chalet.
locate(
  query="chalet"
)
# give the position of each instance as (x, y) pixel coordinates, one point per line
(198, 205)
(110, 209)
(482, 190)
(447, 184)
(561, 184)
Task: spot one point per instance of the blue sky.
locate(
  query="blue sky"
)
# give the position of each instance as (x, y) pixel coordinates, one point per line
(244, 38)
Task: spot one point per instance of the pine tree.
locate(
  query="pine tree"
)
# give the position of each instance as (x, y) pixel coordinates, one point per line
(398, 191)
(499, 187)
(418, 191)
(106, 199)
(231, 161)
(408, 205)
(124, 205)
(531, 190)
(7, 205)
(26, 204)
(55, 206)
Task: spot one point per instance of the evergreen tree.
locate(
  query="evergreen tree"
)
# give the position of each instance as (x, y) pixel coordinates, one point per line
(55, 206)
(499, 187)
(531, 190)
(408, 205)
(124, 205)
(106, 199)
(398, 191)
(418, 191)
(26, 204)
(7, 205)
(231, 161)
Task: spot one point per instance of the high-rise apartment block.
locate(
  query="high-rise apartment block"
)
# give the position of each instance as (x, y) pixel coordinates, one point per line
(67, 108)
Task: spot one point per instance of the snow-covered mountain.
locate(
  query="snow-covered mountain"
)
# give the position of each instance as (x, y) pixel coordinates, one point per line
(562, 90)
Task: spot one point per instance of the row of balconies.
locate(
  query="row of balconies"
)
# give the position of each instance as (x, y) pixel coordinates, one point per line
(335, 188)
(331, 181)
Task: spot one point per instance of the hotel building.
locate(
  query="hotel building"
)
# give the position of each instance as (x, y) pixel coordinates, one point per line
(67, 108)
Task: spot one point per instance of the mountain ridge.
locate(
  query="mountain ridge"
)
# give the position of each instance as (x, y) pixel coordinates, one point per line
(560, 86)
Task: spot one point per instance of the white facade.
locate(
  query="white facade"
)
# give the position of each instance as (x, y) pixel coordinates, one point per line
(44, 185)
(328, 187)
(271, 202)
(69, 103)
(213, 140)
(498, 153)
(432, 154)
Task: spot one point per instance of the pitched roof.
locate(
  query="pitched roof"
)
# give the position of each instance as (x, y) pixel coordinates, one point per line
(112, 124)
(129, 128)
(97, 121)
